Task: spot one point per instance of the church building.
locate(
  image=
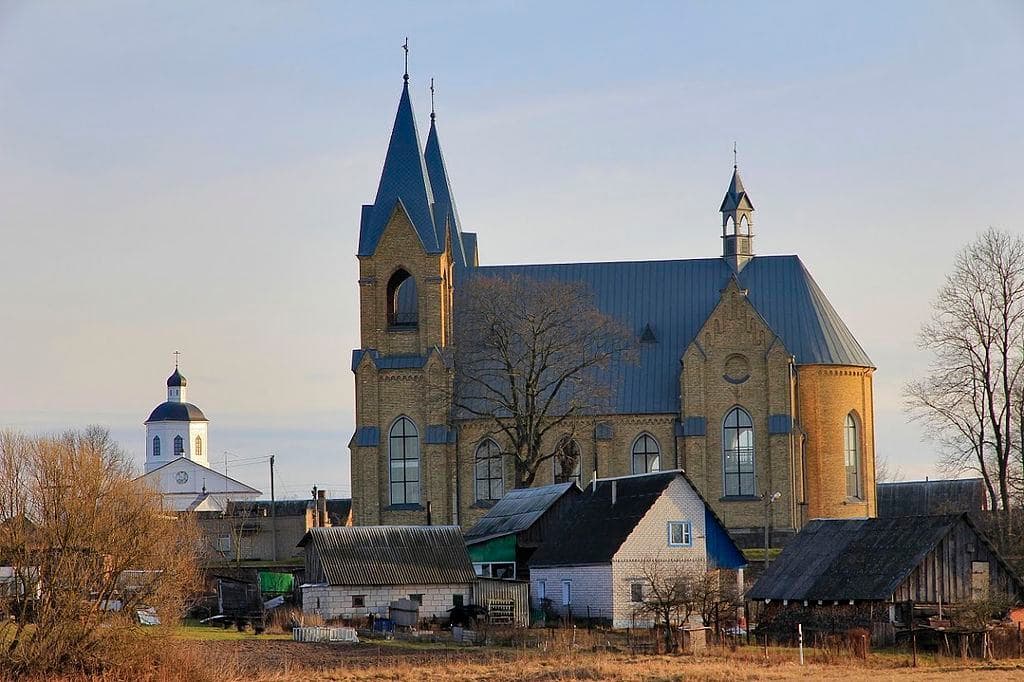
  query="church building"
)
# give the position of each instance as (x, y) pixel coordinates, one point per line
(177, 456)
(746, 377)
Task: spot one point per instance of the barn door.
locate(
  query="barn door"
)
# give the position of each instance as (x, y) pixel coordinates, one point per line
(979, 580)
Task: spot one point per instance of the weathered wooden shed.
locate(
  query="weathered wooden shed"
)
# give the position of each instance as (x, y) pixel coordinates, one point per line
(501, 543)
(885, 562)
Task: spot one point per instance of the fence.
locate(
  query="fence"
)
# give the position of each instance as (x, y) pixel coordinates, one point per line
(488, 589)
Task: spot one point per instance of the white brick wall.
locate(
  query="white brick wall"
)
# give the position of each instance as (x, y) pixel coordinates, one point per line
(334, 601)
(590, 587)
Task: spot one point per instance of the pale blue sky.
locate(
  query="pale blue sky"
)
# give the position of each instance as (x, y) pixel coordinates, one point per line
(188, 175)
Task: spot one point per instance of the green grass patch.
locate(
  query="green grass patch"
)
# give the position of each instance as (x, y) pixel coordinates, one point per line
(194, 630)
(757, 554)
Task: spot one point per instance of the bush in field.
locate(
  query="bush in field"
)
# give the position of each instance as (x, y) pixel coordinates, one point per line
(83, 547)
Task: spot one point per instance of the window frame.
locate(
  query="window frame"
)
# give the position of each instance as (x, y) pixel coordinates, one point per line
(557, 476)
(493, 460)
(359, 601)
(646, 454)
(542, 590)
(398, 318)
(687, 533)
(156, 446)
(179, 446)
(852, 451)
(740, 451)
(566, 591)
(410, 487)
(198, 445)
(636, 592)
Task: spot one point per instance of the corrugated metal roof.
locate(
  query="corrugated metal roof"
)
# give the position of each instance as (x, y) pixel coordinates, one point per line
(391, 555)
(404, 180)
(517, 511)
(915, 498)
(842, 559)
(676, 297)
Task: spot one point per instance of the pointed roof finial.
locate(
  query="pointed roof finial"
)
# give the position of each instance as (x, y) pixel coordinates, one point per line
(735, 163)
(405, 46)
(432, 115)
(176, 354)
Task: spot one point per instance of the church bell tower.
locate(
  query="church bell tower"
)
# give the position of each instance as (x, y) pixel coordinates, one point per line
(737, 222)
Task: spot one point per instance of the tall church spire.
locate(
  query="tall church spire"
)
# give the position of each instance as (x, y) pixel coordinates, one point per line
(404, 181)
(737, 221)
(446, 216)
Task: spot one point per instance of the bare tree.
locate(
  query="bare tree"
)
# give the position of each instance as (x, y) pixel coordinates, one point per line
(886, 472)
(667, 593)
(969, 399)
(528, 357)
(84, 547)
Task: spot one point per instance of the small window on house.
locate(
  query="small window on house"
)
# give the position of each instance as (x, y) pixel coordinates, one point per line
(490, 484)
(851, 442)
(418, 598)
(156, 446)
(403, 305)
(646, 455)
(567, 462)
(738, 453)
(636, 592)
(199, 446)
(458, 600)
(358, 601)
(566, 592)
(179, 446)
(542, 589)
(224, 543)
(679, 534)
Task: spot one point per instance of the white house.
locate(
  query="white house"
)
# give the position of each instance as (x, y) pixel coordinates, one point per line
(355, 571)
(177, 456)
(621, 532)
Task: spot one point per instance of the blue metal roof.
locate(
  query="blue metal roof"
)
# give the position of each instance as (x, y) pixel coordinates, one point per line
(404, 180)
(366, 436)
(676, 297)
(445, 212)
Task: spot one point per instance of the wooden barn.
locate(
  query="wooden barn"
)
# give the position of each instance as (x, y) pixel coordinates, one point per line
(878, 570)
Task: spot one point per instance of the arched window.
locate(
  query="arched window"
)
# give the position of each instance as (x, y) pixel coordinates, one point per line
(199, 446)
(179, 446)
(156, 446)
(403, 305)
(404, 454)
(646, 455)
(490, 484)
(851, 442)
(567, 461)
(738, 452)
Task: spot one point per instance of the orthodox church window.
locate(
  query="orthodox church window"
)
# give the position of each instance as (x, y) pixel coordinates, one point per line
(179, 446)
(646, 455)
(490, 484)
(567, 461)
(403, 304)
(199, 446)
(156, 446)
(738, 453)
(404, 455)
(851, 443)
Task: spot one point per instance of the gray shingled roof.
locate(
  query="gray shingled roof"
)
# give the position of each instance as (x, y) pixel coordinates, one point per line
(445, 211)
(915, 498)
(404, 179)
(862, 559)
(391, 555)
(676, 297)
(516, 511)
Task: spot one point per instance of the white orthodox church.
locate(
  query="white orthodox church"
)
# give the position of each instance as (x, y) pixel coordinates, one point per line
(177, 456)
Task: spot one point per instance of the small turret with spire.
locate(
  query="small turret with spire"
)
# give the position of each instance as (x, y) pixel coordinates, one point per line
(737, 221)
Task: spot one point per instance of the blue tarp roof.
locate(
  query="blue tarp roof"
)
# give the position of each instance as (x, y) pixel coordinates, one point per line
(676, 297)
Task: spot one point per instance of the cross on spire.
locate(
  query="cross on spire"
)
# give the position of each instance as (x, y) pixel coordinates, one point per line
(432, 99)
(176, 354)
(735, 164)
(405, 46)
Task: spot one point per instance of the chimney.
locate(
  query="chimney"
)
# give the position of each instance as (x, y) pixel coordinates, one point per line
(321, 508)
(614, 491)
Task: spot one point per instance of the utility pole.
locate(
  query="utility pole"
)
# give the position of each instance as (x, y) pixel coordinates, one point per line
(768, 500)
(273, 512)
